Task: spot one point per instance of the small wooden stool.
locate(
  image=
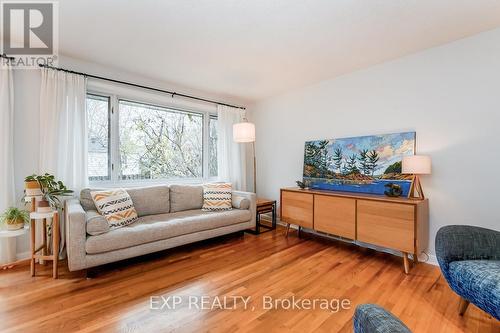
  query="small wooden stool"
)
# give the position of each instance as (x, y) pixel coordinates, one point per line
(54, 257)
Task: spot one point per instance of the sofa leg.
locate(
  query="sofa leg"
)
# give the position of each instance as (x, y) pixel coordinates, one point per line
(462, 307)
(90, 273)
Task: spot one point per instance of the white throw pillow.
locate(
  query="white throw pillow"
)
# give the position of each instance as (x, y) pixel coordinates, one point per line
(217, 197)
(116, 206)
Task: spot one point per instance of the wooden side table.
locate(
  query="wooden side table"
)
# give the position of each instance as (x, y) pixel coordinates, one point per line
(264, 206)
(54, 257)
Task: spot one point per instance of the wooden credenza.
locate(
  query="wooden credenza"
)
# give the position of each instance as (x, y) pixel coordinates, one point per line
(400, 224)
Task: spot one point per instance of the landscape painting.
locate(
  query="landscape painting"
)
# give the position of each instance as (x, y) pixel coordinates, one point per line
(364, 164)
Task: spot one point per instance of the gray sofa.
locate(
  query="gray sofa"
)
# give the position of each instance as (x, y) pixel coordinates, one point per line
(169, 216)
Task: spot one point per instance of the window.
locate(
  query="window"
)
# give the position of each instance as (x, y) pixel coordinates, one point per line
(212, 147)
(158, 143)
(99, 163)
(148, 142)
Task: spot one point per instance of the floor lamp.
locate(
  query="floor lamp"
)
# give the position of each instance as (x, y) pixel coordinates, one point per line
(243, 133)
(416, 165)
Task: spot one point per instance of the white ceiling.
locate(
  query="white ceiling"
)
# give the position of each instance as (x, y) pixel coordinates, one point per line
(258, 48)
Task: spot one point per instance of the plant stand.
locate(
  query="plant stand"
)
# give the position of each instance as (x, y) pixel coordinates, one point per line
(54, 257)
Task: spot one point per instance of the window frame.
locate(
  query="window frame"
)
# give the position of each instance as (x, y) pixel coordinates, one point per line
(114, 95)
(207, 130)
(109, 136)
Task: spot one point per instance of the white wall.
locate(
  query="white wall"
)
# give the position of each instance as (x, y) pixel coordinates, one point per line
(26, 116)
(449, 95)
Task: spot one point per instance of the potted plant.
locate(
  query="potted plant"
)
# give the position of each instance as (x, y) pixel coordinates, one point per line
(50, 190)
(15, 218)
(32, 186)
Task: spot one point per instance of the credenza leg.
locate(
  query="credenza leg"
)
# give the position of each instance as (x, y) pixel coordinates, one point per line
(287, 229)
(406, 262)
(415, 258)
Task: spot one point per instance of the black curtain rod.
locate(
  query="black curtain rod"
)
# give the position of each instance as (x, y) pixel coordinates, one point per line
(172, 93)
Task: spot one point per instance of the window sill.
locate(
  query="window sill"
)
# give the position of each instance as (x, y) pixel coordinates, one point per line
(151, 182)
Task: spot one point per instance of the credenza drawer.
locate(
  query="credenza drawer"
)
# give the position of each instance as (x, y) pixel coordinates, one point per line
(389, 225)
(335, 215)
(297, 208)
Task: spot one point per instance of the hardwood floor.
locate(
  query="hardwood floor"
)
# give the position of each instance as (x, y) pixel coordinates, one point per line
(117, 298)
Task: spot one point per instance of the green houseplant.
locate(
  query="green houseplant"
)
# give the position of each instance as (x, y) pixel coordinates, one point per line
(14, 218)
(51, 190)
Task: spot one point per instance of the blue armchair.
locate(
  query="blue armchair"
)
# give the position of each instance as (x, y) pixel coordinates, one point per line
(469, 258)
(371, 318)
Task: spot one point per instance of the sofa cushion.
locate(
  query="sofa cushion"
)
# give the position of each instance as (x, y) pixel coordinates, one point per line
(147, 200)
(116, 206)
(185, 197)
(150, 200)
(217, 197)
(86, 199)
(157, 227)
(240, 202)
(479, 282)
(96, 223)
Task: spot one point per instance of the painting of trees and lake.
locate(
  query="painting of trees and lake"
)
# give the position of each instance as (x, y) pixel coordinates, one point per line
(363, 164)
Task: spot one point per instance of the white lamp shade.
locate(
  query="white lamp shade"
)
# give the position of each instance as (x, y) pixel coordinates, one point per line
(244, 132)
(417, 165)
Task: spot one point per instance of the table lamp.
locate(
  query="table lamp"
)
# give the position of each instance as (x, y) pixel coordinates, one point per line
(416, 165)
(242, 133)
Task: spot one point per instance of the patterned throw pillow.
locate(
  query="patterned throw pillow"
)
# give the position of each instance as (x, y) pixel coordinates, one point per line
(116, 206)
(217, 196)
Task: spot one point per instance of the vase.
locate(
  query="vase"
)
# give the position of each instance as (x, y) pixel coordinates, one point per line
(14, 225)
(43, 206)
(32, 188)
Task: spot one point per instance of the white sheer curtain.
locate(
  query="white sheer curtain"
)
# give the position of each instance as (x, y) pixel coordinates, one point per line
(63, 130)
(7, 194)
(230, 155)
(63, 127)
